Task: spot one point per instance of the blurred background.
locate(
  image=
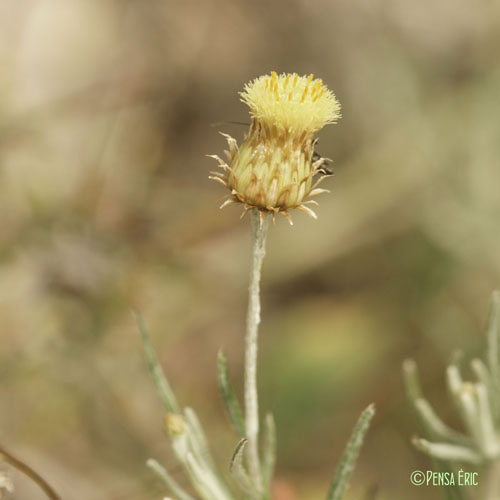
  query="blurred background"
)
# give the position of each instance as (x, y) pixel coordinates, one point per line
(106, 114)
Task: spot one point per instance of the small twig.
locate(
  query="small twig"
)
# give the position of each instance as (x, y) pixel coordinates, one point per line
(28, 471)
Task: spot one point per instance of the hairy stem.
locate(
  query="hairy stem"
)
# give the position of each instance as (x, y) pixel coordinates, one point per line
(259, 233)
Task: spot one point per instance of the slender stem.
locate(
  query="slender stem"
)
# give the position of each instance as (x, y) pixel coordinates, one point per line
(33, 475)
(259, 233)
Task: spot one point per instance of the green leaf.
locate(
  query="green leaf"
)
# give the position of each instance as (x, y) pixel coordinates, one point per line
(435, 427)
(205, 481)
(492, 336)
(230, 401)
(238, 472)
(160, 380)
(171, 483)
(269, 450)
(484, 377)
(452, 491)
(411, 379)
(445, 451)
(350, 455)
(198, 439)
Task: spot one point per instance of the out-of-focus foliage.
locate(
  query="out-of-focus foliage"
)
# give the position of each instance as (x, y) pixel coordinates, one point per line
(106, 109)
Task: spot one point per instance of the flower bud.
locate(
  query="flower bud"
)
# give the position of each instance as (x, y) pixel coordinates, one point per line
(273, 168)
(174, 424)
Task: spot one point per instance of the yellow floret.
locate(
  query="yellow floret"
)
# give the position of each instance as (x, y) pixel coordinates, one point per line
(292, 102)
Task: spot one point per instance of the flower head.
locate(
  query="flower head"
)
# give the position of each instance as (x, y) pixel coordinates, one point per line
(291, 102)
(273, 168)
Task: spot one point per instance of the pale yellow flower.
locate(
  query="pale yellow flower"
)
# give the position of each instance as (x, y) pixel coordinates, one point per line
(273, 169)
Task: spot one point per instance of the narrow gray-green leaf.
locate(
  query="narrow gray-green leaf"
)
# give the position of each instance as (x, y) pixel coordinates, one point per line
(489, 441)
(492, 336)
(161, 382)
(171, 483)
(238, 471)
(484, 377)
(411, 379)
(452, 491)
(230, 401)
(268, 450)
(205, 482)
(454, 381)
(198, 439)
(469, 411)
(350, 455)
(445, 451)
(435, 427)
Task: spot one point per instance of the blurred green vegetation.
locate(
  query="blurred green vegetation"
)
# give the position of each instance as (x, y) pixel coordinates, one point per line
(106, 109)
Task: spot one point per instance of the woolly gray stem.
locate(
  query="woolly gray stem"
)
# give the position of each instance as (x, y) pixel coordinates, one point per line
(259, 233)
